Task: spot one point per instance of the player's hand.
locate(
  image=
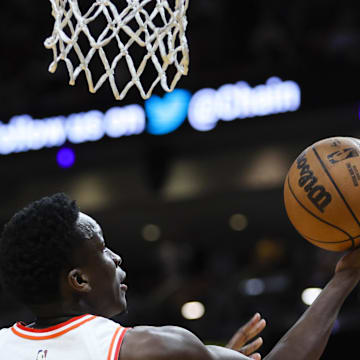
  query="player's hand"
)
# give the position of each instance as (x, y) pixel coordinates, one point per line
(350, 261)
(246, 333)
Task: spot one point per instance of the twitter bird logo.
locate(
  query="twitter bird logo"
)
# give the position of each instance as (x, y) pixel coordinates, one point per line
(167, 114)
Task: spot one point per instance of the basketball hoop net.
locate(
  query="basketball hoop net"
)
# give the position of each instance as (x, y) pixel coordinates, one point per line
(153, 25)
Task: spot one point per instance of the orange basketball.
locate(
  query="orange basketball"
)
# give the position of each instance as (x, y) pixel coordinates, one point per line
(322, 193)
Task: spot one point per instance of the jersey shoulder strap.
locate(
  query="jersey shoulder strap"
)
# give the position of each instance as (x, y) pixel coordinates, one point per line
(104, 338)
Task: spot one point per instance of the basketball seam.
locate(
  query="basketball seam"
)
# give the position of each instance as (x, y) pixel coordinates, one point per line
(317, 217)
(336, 187)
(332, 242)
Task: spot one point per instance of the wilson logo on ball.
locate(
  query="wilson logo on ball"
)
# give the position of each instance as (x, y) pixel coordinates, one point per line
(315, 193)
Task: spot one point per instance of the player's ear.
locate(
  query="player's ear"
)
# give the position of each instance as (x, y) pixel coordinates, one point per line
(78, 280)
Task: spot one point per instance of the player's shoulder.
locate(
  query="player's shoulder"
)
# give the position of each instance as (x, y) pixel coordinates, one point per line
(103, 328)
(165, 342)
(99, 320)
(99, 323)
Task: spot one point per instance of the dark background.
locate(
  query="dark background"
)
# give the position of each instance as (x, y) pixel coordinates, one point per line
(190, 183)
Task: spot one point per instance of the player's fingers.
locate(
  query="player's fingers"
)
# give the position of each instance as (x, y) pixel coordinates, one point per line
(256, 356)
(249, 326)
(252, 347)
(247, 332)
(256, 329)
(252, 328)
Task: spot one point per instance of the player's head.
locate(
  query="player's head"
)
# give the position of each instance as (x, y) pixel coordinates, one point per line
(50, 252)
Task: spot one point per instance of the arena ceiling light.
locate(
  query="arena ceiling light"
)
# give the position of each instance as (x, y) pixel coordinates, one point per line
(309, 295)
(193, 310)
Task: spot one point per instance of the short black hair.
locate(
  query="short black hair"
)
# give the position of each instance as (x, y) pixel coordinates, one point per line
(36, 246)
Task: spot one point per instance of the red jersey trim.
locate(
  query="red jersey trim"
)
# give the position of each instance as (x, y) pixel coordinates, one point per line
(26, 332)
(22, 326)
(117, 351)
(115, 344)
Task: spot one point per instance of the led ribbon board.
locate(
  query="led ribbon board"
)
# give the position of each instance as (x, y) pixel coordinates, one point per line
(204, 110)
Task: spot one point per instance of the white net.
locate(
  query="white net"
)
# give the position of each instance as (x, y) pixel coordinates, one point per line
(154, 25)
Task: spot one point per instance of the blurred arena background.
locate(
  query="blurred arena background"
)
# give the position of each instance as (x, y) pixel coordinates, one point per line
(197, 215)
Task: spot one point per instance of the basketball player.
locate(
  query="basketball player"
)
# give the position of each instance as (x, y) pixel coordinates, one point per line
(54, 259)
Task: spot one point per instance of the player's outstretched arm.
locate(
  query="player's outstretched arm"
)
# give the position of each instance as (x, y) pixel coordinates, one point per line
(307, 339)
(171, 343)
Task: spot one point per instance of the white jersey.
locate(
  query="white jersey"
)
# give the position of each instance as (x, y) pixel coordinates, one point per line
(85, 337)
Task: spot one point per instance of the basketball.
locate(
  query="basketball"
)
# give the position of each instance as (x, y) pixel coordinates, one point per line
(322, 193)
